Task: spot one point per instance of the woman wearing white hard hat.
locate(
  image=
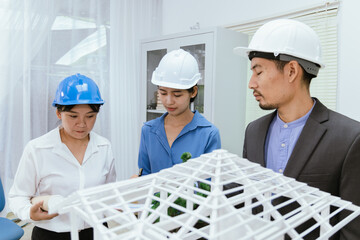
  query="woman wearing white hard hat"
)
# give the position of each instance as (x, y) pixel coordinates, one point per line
(179, 130)
(66, 159)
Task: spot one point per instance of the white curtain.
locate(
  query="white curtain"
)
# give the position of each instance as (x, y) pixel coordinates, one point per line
(44, 41)
(131, 21)
(24, 27)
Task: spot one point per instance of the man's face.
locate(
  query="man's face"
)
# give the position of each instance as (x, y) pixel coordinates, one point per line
(269, 85)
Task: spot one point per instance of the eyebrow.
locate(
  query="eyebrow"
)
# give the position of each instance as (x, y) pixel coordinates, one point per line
(255, 66)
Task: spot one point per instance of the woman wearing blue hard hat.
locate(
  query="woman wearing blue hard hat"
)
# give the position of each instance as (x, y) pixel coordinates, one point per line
(66, 159)
(179, 130)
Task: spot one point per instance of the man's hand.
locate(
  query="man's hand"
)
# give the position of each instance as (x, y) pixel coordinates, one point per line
(38, 213)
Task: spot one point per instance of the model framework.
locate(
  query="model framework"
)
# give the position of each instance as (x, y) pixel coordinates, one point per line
(187, 201)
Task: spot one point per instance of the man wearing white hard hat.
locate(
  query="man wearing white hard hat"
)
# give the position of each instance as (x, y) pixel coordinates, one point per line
(302, 138)
(165, 139)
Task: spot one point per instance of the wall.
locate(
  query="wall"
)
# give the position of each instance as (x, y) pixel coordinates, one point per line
(218, 13)
(224, 12)
(348, 55)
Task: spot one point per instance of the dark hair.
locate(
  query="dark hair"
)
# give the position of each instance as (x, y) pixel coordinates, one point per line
(67, 108)
(191, 90)
(307, 77)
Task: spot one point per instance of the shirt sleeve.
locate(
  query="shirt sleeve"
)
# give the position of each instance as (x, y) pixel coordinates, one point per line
(214, 141)
(111, 177)
(25, 185)
(54, 202)
(143, 159)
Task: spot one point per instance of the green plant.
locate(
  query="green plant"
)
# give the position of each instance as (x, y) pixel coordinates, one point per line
(180, 201)
(185, 156)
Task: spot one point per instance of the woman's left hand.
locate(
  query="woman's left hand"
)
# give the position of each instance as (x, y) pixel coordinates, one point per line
(45, 200)
(37, 212)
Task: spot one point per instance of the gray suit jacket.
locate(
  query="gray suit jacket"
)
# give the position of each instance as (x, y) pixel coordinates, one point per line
(326, 156)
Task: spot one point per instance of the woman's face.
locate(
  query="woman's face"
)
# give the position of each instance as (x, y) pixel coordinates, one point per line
(176, 101)
(78, 122)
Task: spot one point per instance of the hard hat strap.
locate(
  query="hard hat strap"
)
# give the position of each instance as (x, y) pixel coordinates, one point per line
(266, 55)
(309, 67)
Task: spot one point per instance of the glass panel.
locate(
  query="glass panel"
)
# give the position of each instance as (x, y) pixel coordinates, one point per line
(198, 51)
(154, 109)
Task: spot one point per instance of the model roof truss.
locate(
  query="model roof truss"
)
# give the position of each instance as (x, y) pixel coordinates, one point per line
(253, 209)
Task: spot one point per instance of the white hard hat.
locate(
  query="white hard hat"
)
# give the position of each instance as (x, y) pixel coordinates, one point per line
(287, 37)
(177, 69)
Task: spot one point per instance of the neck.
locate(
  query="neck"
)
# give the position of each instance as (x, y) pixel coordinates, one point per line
(295, 109)
(181, 119)
(67, 139)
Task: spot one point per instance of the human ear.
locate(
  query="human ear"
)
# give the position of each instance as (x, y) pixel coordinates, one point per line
(293, 70)
(58, 114)
(194, 93)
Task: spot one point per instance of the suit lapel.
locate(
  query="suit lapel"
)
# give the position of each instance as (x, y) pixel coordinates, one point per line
(308, 140)
(261, 138)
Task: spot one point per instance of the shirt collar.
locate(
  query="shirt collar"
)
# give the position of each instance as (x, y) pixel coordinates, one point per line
(53, 139)
(298, 122)
(197, 121)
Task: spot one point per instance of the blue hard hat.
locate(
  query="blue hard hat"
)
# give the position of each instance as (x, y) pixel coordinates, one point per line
(77, 89)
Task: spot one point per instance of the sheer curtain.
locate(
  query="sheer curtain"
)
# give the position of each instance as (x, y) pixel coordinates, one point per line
(131, 21)
(43, 41)
(24, 27)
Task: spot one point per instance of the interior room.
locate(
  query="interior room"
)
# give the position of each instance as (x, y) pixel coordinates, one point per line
(118, 44)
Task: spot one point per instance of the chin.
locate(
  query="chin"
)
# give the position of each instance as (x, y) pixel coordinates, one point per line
(173, 113)
(267, 106)
(82, 136)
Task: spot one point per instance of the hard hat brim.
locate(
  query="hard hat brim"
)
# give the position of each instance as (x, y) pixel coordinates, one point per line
(78, 102)
(173, 85)
(244, 52)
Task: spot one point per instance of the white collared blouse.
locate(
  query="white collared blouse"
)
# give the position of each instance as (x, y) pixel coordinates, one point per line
(47, 167)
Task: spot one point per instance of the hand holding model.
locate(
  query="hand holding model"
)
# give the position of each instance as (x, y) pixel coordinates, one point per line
(39, 210)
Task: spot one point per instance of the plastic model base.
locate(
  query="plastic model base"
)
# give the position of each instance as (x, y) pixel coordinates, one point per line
(174, 204)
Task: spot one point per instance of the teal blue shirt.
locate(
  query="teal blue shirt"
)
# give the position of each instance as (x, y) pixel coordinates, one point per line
(197, 137)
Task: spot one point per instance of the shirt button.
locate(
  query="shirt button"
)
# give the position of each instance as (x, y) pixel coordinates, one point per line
(283, 144)
(280, 170)
(285, 126)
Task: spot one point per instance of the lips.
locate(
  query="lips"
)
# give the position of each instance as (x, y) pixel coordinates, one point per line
(257, 95)
(171, 109)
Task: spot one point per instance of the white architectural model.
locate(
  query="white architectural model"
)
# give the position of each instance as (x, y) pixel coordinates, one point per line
(138, 208)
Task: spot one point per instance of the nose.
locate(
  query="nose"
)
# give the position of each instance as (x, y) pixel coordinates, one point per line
(81, 122)
(252, 82)
(169, 99)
